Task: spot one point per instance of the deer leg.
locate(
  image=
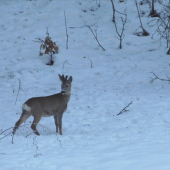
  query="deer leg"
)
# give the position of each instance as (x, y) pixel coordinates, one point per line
(25, 115)
(56, 122)
(34, 124)
(60, 122)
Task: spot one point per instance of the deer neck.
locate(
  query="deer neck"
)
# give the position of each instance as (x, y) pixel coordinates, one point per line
(68, 93)
(66, 96)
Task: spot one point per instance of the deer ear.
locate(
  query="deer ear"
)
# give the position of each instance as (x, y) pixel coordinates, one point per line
(60, 77)
(70, 79)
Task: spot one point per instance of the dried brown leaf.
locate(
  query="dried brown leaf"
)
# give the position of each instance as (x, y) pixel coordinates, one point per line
(51, 44)
(46, 51)
(56, 48)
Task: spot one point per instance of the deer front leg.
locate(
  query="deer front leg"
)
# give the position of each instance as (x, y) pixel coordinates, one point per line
(56, 122)
(60, 115)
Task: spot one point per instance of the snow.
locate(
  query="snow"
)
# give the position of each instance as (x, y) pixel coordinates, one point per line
(94, 136)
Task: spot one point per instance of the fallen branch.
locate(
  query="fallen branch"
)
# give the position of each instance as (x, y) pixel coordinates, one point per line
(38, 154)
(95, 36)
(6, 135)
(25, 126)
(29, 134)
(83, 26)
(91, 62)
(6, 130)
(65, 62)
(124, 109)
(157, 78)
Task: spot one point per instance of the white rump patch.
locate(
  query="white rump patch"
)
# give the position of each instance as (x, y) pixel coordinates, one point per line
(25, 107)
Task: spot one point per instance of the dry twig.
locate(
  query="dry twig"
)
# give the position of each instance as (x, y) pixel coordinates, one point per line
(143, 32)
(113, 7)
(121, 35)
(65, 62)
(157, 78)
(91, 62)
(124, 109)
(66, 30)
(95, 36)
(18, 90)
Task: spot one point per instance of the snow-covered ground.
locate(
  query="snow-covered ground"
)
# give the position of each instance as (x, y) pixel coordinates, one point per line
(94, 136)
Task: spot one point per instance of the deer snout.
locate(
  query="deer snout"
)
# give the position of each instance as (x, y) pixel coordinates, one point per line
(63, 92)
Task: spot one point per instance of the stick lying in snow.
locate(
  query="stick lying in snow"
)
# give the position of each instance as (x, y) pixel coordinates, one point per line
(124, 109)
(156, 77)
(91, 62)
(65, 62)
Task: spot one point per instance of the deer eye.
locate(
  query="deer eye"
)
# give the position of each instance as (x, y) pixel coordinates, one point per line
(66, 86)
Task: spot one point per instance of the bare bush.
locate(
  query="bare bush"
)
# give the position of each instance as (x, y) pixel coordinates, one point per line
(143, 32)
(123, 19)
(163, 25)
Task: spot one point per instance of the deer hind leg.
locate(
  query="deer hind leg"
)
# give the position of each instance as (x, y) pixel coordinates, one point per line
(34, 124)
(25, 115)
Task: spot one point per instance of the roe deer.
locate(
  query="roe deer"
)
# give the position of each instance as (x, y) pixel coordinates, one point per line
(54, 105)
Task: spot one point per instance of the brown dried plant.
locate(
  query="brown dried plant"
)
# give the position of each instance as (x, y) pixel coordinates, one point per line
(48, 46)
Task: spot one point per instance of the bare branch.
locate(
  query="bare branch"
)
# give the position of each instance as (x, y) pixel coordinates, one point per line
(39, 40)
(84, 26)
(113, 7)
(18, 90)
(98, 3)
(121, 35)
(91, 63)
(144, 32)
(6, 135)
(158, 78)
(95, 36)
(162, 24)
(6, 130)
(66, 30)
(124, 109)
(65, 62)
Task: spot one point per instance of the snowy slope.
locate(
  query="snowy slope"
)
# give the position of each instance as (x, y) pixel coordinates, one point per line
(94, 137)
